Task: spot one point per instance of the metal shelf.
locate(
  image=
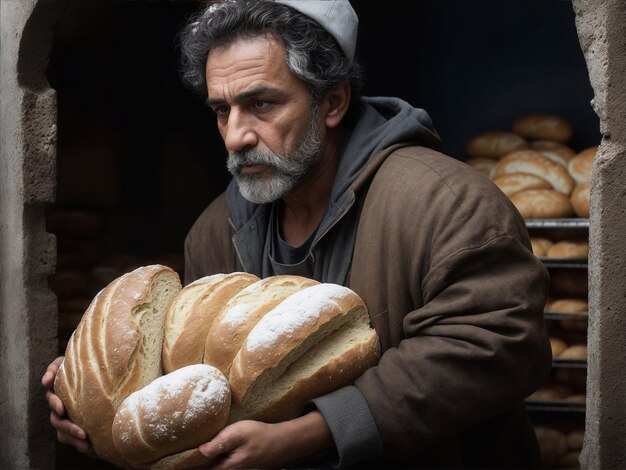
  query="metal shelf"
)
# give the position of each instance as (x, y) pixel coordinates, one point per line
(569, 363)
(556, 406)
(564, 316)
(576, 263)
(558, 223)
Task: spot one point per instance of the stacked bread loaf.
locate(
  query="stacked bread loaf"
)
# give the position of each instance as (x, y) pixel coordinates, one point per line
(533, 166)
(266, 345)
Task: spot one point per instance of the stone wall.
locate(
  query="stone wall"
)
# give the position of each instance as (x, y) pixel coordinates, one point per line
(28, 321)
(601, 27)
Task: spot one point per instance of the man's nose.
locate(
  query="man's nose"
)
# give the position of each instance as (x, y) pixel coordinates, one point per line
(240, 132)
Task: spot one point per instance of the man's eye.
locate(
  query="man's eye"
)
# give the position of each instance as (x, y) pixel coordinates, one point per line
(261, 105)
(221, 110)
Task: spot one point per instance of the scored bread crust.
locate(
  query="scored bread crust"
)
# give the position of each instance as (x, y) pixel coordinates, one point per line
(580, 167)
(543, 126)
(192, 313)
(242, 312)
(513, 183)
(114, 351)
(174, 413)
(531, 161)
(314, 342)
(494, 144)
(542, 204)
(581, 199)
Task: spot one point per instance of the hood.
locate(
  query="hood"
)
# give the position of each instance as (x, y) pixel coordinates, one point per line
(381, 123)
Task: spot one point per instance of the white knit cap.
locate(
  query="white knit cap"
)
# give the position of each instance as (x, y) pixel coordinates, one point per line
(335, 16)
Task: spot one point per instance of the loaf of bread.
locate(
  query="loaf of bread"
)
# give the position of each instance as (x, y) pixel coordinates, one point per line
(312, 343)
(551, 392)
(552, 445)
(540, 246)
(242, 312)
(115, 350)
(494, 144)
(543, 126)
(580, 199)
(569, 249)
(555, 151)
(530, 161)
(174, 413)
(514, 183)
(191, 315)
(567, 306)
(557, 345)
(542, 204)
(581, 165)
(482, 165)
(578, 351)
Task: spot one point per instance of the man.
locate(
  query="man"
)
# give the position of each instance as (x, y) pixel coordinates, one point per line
(347, 190)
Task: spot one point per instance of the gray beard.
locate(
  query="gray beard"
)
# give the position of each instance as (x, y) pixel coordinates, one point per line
(286, 171)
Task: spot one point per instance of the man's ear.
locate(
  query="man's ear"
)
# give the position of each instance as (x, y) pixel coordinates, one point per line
(335, 104)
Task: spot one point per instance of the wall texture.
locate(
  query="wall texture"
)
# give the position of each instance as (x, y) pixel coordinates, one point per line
(601, 26)
(28, 321)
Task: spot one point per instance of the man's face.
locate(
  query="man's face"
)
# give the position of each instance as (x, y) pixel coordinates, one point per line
(270, 127)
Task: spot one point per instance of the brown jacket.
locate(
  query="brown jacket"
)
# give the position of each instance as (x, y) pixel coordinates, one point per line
(443, 262)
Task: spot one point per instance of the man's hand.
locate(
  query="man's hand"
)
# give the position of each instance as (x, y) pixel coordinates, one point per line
(67, 432)
(252, 444)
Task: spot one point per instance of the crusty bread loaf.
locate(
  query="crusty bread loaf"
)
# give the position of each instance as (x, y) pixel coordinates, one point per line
(543, 126)
(557, 345)
(569, 249)
(581, 198)
(552, 445)
(482, 165)
(115, 350)
(540, 246)
(494, 144)
(242, 312)
(567, 306)
(551, 392)
(581, 165)
(555, 151)
(542, 204)
(174, 413)
(192, 313)
(514, 183)
(530, 161)
(578, 351)
(314, 342)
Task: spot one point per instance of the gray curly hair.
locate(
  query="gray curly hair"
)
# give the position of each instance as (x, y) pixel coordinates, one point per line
(311, 53)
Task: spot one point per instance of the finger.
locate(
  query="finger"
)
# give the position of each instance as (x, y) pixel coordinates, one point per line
(55, 403)
(222, 443)
(48, 377)
(81, 445)
(65, 426)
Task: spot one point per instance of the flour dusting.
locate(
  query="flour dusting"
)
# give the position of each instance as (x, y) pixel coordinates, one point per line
(298, 310)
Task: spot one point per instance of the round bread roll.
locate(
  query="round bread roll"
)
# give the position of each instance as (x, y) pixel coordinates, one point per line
(568, 306)
(514, 183)
(555, 151)
(581, 165)
(578, 351)
(552, 445)
(530, 161)
(176, 412)
(192, 313)
(242, 312)
(569, 249)
(115, 351)
(581, 198)
(482, 165)
(557, 345)
(540, 245)
(494, 144)
(542, 204)
(312, 343)
(543, 126)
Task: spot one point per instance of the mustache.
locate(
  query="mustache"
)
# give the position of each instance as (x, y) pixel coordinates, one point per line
(251, 156)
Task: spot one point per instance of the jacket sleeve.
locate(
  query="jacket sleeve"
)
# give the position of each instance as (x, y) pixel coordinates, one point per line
(457, 298)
